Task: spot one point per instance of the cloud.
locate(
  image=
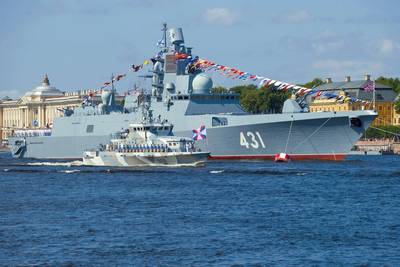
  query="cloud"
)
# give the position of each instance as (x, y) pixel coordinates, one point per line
(388, 47)
(328, 42)
(220, 15)
(297, 16)
(78, 7)
(340, 68)
(331, 45)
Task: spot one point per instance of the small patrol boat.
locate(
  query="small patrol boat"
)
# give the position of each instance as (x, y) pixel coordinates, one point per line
(146, 144)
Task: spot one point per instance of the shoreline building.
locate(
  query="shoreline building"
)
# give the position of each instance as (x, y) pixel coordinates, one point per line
(37, 108)
(384, 99)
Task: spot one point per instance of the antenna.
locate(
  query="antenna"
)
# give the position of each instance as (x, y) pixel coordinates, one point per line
(164, 30)
(112, 82)
(374, 96)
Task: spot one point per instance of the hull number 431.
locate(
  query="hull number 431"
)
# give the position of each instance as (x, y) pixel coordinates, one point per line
(251, 139)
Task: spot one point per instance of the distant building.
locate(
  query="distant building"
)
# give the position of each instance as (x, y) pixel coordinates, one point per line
(396, 115)
(384, 99)
(37, 108)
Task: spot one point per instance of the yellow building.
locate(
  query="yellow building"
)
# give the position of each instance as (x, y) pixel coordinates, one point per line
(396, 118)
(37, 108)
(384, 99)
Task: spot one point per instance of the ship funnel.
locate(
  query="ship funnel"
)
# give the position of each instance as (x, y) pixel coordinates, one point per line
(176, 36)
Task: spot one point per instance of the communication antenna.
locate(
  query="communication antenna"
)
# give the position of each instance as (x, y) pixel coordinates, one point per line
(164, 30)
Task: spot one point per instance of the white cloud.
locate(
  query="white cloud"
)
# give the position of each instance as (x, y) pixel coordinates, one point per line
(326, 46)
(297, 16)
(341, 68)
(219, 15)
(328, 42)
(387, 47)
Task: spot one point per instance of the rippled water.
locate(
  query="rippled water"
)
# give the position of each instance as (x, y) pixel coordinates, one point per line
(226, 213)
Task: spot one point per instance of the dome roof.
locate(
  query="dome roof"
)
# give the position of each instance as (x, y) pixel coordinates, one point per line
(202, 84)
(45, 89)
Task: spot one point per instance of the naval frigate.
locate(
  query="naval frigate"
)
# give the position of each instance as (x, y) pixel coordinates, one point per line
(183, 96)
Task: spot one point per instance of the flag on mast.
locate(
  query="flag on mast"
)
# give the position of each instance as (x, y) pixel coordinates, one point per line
(200, 133)
(369, 86)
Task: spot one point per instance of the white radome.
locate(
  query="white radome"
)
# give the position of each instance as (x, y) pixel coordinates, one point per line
(202, 84)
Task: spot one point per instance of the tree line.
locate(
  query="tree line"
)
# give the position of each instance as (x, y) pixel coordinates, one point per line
(257, 100)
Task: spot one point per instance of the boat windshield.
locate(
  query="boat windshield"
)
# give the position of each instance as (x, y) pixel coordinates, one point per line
(30, 133)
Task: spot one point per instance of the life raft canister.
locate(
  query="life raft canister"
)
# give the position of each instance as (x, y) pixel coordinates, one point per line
(282, 157)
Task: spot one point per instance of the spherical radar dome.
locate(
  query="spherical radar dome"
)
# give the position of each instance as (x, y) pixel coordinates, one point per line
(202, 84)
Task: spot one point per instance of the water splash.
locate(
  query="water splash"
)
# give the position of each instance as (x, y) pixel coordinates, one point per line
(69, 171)
(217, 171)
(66, 164)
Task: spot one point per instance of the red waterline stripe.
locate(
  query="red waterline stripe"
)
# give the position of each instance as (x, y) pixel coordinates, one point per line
(334, 157)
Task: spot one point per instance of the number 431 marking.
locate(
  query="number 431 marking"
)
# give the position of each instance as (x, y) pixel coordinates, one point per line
(252, 139)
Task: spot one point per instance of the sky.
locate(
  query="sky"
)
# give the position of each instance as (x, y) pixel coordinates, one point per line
(80, 43)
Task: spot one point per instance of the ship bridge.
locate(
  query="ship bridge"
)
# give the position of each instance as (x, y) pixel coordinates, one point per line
(214, 104)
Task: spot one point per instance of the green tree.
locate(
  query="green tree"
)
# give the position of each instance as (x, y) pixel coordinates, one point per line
(276, 100)
(392, 82)
(243, 88)
(314, 83)
(250, 101)
(263, 100)
(380, 132)
(219, 90)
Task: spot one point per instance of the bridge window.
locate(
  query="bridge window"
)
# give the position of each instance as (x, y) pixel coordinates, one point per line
(219, 121)
(89, 128)
(355, 122)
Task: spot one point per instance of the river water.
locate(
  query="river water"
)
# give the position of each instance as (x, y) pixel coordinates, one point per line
(256, 213)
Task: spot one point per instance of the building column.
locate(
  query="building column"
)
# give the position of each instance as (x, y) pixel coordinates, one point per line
(1, 123)
(44, 116)
(26, 117)
(39, 116)
(29, 118)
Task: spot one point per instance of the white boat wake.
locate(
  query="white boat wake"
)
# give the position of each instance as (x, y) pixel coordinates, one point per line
(69, 171)
(66, 164)
(219, 171)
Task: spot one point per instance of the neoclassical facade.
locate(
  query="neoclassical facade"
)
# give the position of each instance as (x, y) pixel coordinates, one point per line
(384, 99)
(37, 108)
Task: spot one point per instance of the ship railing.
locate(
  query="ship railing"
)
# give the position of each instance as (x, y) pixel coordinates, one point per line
(136, 148)
(32, 133)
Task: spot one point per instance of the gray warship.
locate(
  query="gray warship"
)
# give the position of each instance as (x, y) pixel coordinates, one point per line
(183, 97)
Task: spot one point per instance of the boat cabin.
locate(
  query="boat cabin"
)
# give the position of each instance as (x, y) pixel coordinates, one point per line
(160, 129)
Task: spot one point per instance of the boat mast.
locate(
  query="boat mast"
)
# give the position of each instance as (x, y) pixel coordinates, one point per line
(164, 30)
(373, 95)
(112, 82)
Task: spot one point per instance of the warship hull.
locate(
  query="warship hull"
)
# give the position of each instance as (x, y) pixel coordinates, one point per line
(132, 159)
(320, 135)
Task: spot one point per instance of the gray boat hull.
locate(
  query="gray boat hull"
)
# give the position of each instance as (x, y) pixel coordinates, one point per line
(324, 135)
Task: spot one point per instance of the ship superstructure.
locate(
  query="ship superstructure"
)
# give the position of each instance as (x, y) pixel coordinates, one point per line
(182, 95)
